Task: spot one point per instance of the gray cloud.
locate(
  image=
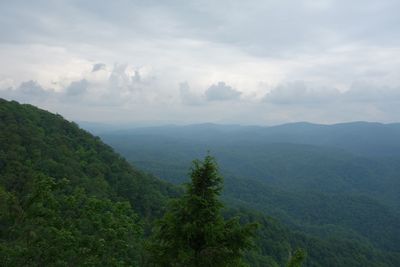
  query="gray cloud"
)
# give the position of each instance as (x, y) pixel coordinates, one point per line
(137, 78)
(31, 89)
(77, 88)
(298, 93)
(126, 81)
(114, 87)
(221, 92)
(260, 27)
(353, 46)
(289, 102)
(359, 93)
(188, 97)
(28, 92)
(367, 92)
(98, 66)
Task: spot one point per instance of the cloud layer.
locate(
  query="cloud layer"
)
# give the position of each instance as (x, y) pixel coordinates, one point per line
(227, 61)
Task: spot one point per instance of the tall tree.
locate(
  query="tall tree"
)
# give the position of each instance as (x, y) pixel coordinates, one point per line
(193, 232)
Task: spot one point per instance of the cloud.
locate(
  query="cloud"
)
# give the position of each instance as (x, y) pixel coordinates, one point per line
(128, 78)
(109, 87)
(289, 102)
(302, 93)
(221, 92)
(98, 66)
(298, 93)
(28, 92)
(77, 88)
(368, 92)
(125, 58)
(187, 96)
(31, 88)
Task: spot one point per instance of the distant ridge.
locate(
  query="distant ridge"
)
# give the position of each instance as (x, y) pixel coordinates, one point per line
(361, 138)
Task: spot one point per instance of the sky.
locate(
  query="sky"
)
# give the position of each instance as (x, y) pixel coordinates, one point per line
(245, 62)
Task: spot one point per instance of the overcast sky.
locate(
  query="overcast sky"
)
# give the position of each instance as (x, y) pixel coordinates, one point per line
(248, 62)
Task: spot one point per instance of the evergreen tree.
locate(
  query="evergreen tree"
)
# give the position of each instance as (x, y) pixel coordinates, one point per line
(193, 232)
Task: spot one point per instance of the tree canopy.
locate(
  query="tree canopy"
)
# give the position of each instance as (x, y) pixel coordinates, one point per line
(193, 231)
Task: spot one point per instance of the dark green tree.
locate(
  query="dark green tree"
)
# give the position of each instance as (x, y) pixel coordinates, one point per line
(297, 259)
(193, 232)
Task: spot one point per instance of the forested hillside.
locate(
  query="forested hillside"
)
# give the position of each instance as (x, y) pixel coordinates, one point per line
(67, 199)
(323, 190)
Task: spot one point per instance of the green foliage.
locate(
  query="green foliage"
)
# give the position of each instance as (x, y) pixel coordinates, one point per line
(66, 199)
(193, 231)
(297, 259)
(36, 141)
(57, 227)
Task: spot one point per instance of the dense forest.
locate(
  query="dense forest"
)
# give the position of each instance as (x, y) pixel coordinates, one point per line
(67, 199)
(315, 179)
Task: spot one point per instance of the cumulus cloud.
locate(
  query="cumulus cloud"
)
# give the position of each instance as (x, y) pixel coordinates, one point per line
(115, 86)
(29, 91)
(127, 78)
(284, 103)
(31, 88)
(221, 92)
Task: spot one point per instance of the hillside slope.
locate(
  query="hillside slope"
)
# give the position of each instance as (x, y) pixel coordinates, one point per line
(67, 199)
